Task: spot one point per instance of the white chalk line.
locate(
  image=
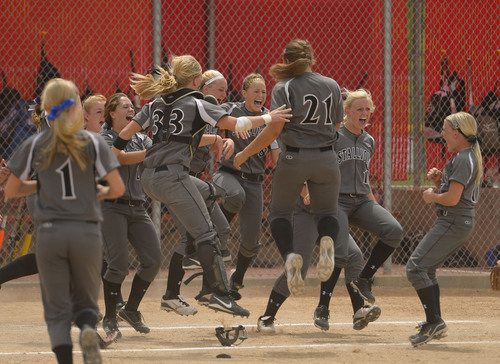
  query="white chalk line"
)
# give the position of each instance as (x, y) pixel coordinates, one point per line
(114, 350)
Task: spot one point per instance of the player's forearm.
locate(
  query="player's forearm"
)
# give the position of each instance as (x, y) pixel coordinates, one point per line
(208, 139)
(127, 158)
(269, 134)
(241, 123)
(18, 188)
(126, 134)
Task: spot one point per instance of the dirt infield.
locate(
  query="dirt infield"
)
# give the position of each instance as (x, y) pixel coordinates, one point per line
(473, 318)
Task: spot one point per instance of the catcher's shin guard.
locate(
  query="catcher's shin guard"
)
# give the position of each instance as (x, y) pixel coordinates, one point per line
(221, 283)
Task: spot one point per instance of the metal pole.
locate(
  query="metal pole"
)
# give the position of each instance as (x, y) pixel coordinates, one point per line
(417, 92)
(211, 58)
(387, 174)
(156, 19)
(211, 33)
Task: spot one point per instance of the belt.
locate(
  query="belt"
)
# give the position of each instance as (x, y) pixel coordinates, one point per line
(165, 168)
(296, 150)
(197, 175)
(353, 195)
(66, 221)
(122, 201)
(248, 176)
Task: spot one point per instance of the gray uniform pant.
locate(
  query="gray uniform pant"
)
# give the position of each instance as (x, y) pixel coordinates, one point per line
(446, 237)
(305, 236)
(69, 259)
(244, 198)
(221, 225)
(321, 171)
(368, 215)
(123, 224)
(176, 189)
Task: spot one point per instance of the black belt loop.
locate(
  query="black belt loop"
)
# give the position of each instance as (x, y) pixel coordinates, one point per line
(296, 150)
(122, 201)
(247, 176)
(442, 213)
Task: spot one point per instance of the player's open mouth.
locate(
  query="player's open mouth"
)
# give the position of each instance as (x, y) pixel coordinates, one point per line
(258, 103)
(129, 118)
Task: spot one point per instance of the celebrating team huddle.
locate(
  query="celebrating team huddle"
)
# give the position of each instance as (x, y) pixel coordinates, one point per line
(315, 133)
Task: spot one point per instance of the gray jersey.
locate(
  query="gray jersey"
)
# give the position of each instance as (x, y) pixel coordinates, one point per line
(317, 106)
(256, 164)
(65, 191)
(354, 153)
(462, 168)
(131, 174)
(176, 121)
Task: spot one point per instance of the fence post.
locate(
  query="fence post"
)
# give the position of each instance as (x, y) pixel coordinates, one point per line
(156, 20)
(387, 172)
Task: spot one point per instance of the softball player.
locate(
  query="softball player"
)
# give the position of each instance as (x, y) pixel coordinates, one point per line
(185, 256)
(241, 190)
(26, 265)
(457, 193)
(69, 249)
(126, 220)
(93, 112)
(177, 119)
(357, 205)
(307, 155)
(305, 236)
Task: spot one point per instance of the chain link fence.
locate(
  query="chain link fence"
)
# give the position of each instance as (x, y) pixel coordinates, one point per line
(420, 60)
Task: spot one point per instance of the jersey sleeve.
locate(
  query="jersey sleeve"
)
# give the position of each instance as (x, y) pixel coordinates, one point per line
(20, 162)
(147, 142)
(108, 137)
(274, 145)
(210, 113)
(280, 96)
(338, 117)
(105, 160)
(143, 117)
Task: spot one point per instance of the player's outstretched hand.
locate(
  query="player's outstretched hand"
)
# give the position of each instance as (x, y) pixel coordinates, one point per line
(242, 134)
(281, 114)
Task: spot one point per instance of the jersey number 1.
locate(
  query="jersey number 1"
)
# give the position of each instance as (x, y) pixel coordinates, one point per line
(66, 173)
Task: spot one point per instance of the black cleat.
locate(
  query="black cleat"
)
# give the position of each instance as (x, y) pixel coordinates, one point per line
(321, 316)
(364, 287)
(428, 332)
(110, 327)
(227, 304)
(134, 319)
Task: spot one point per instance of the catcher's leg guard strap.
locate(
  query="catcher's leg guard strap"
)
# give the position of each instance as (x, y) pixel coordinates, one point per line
(213, 267)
